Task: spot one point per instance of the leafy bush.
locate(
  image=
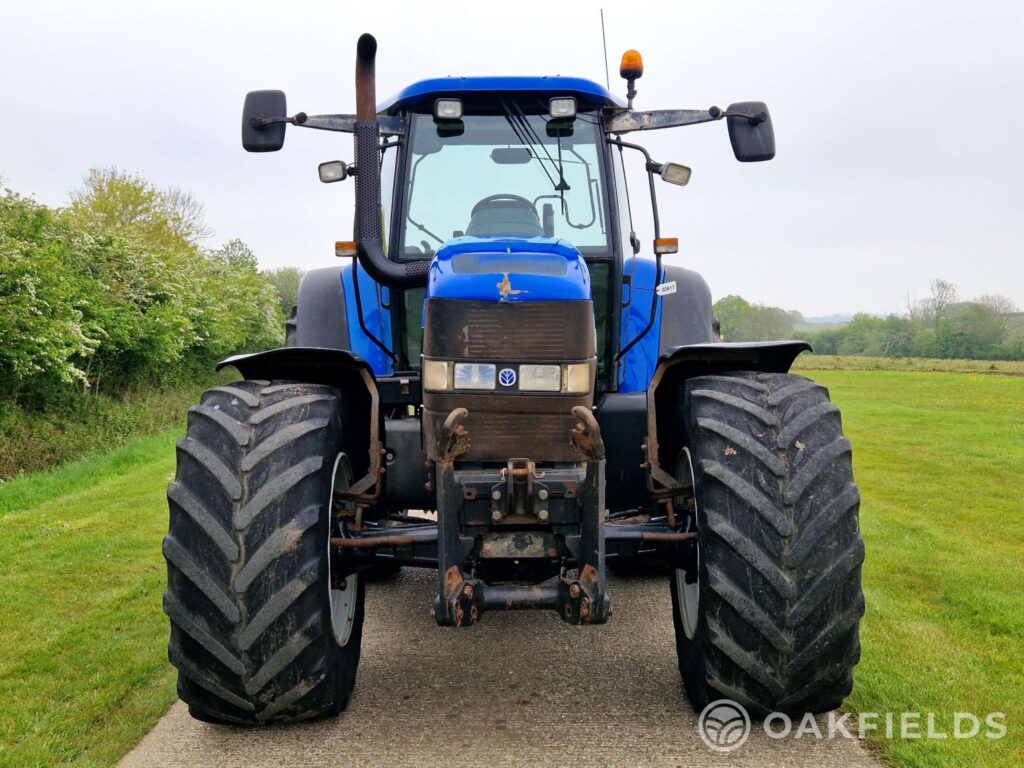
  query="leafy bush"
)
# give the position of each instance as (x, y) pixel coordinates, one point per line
(109, 310)
(113, 292)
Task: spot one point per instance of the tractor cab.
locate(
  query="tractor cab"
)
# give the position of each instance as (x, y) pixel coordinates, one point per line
(502, 184)
(500, 156)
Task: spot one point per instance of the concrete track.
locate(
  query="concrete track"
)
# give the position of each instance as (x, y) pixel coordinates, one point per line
(518, 689)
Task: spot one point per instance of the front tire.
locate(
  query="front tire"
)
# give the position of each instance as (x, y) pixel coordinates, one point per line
(770, 619)
(259, 634)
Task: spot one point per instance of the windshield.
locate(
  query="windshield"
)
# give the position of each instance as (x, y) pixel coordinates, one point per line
(503, 175)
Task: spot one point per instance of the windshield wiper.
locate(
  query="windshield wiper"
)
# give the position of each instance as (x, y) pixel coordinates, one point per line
(408, 213)
(523, 131)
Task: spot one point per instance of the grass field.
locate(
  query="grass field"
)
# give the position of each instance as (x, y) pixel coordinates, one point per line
(808, 362)
(939, 458)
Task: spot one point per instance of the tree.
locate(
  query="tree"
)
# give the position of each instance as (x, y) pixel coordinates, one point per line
(997, 303)
(237, 254)
(898, 336)
(975, 333)
(944, 295)
(286, 282)
(130, 207)
(763, 323)
(742, 321)
(186, 215)
(863, 335)
(730, 312)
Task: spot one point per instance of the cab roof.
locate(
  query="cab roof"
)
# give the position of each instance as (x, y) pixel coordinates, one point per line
(423, 93)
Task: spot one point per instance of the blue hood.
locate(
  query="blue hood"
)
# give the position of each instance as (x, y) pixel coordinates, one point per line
(508, 269)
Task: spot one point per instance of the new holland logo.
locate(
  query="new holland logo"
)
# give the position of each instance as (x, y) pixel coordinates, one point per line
(507, 377)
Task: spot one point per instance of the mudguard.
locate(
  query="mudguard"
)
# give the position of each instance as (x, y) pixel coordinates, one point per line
(686, 312)
(686, 362)
(336, 368)
(315, 365)
(320, 312)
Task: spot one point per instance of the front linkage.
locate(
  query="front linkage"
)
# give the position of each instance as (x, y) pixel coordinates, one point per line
(516, 524)
(483, 515)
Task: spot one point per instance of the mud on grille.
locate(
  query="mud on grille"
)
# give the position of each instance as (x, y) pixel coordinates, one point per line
(535, 330)
(500, 436)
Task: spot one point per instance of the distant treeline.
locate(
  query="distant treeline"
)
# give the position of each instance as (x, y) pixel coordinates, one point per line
(115, 292)
(941, 326)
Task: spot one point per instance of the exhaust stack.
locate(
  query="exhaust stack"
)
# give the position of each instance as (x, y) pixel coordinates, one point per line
(367, 153)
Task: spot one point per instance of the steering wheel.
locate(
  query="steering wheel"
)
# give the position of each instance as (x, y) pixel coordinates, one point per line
(520, 201)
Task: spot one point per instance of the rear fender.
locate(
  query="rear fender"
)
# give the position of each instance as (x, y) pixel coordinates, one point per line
(348, 373)
(677, 365)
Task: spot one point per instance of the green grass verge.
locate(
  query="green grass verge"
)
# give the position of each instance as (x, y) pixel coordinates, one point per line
(74, 424)
(809, 362)
(938, 456)
(83, 668)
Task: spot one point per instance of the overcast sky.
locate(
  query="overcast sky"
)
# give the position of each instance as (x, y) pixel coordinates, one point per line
(900, 125)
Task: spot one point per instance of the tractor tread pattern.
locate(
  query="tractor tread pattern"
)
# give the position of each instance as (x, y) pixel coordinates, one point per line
(781, 551)
(250, 636)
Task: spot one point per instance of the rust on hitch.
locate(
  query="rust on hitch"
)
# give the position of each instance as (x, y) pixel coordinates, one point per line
(453, 442)
(586, 435)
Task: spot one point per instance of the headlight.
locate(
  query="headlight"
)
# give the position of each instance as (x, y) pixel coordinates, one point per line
(445, 375)
(577, 378)
(474, 375)
(435, 374)
(540, 378)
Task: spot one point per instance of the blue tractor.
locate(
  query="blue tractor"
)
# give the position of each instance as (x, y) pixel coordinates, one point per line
(505, 384)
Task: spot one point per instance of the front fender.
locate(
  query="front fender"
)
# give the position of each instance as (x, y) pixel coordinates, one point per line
(335, 368)
(717, 357)
(681, 363)
(315, 365)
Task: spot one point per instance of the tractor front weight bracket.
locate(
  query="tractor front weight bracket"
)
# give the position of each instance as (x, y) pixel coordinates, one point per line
(553, 517)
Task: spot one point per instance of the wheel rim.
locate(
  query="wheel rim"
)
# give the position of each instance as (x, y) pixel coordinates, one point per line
(688, 595)
(343, 609)
(342, 599)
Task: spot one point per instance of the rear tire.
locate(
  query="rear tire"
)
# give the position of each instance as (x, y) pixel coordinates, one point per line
(253, 633)
(771, 620)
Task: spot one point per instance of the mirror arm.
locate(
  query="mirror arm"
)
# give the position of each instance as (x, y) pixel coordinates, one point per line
(390, 125)
(624, 121)
(754, 117)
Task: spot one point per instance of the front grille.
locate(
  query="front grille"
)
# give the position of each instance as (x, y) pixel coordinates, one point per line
(501, 436)
(510, 424)
(490, 330)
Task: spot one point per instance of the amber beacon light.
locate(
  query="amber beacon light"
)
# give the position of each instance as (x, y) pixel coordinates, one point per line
(631, 68)
(632, 65)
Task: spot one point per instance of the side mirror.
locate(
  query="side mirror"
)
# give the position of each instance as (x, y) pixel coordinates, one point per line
(260, 105)
(751, 133)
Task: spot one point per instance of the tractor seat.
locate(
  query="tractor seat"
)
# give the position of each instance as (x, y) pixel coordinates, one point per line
(504, 216)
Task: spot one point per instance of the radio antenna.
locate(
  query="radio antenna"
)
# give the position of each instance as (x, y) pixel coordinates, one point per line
(604, 44)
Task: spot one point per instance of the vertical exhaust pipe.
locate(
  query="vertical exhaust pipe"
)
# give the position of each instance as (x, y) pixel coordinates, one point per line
(367, 153)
